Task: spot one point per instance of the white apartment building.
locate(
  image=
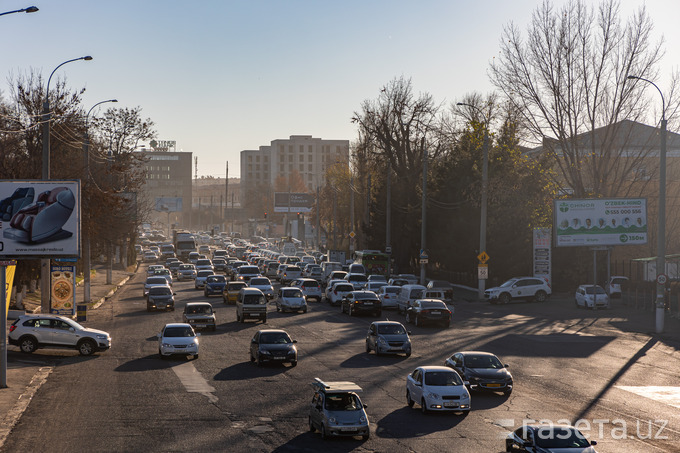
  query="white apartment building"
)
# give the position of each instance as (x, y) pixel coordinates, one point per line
(307, 155)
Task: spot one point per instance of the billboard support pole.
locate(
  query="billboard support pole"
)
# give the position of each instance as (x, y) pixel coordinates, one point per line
(3, 327)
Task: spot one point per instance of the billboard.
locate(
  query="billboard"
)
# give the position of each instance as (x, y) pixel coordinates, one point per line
(600, 222)
(169, 204)
(542, 254)
(40, 219)
(293, 202)
(62, 288)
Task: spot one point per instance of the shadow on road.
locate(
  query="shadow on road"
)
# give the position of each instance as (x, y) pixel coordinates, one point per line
(408, 422)
(364, 360)
(551, 345)
(248, 370)
(312, 442)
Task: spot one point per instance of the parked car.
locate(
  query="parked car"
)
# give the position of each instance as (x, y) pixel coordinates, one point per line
(32, 332)
(523, 288)
(482, 370)
(361, 302)
(310, 288)
(153, 281)
(201, 277)
(231, 290)
(337, 410)
(437, 388)
(589, 296)
(388, 337)
(264, 285)
(429, 311)
(178, 339)
(549, 438)
(251, 303)
(337, 291)
(616, 285)
(160, 297)
(388, 296)
(291, 299)
(214, 284)
(200, 315)
(186, 272)
(273, 345)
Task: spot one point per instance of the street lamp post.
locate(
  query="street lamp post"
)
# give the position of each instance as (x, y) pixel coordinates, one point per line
(485, 183)
(86, 238)
(30, 9)
(45, 262)
(661, 240)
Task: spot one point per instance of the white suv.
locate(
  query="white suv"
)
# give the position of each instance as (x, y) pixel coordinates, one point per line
(527, 288)
(31, 332)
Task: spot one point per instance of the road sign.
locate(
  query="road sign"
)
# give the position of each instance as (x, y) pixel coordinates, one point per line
(661, 279)
(352, 234)
(483, 257)
(423, 261)
(423, 254)
(483, 272)
(388, 249)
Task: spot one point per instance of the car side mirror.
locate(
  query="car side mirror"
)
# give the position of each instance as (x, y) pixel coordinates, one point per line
(506, 365)
(174, 294)
(254, 341)
(466, 383)
(72, 329)
(593, 442)
(294, 341)
(198, 334)
(365, 405)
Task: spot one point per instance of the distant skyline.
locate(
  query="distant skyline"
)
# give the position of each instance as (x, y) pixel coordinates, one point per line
(220, 77)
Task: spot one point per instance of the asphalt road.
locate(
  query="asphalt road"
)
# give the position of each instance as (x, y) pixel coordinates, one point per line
(568, 364)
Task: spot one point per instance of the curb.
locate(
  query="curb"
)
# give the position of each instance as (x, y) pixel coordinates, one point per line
(110, 293)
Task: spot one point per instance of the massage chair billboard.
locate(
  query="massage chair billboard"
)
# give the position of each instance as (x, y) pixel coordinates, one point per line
(600, 222)
(40, 219)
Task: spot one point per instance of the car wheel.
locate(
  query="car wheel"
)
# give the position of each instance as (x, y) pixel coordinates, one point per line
(304, 311)
(259, 361)
(541, 296)
(252, 359)
(238, 318)
(324, 434)
(408, 354)
(368, 348)
(278, 308)
(507, 392)
(409, 401)
(509, 447)
(205, 294)
(195, 356)
(293, 363)
(311, 425)
(87, 347)
(365, 437)
(160, 354)
(264, 320)
(423, 406)
(504, 298)
(576, 303)
(28, 344)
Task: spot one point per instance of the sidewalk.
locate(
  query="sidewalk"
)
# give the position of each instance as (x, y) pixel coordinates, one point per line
(24, 374)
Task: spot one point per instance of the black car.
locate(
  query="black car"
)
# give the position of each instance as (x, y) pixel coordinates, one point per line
(361, 302)
(160, 298)
(428, 311)
(273, 345)
(483, 370)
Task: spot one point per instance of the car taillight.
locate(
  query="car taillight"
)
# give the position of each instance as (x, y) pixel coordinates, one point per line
(11, 328)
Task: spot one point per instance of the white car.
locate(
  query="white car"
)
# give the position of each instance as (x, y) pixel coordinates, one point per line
(31, 332)
(615, 285)
(589, 296)
(374, 286)
(310, 288)
(204, 264)
(291, 299)
(186, 272)
(524, 288)
(338, 291)
(264, 285)
(388, 295)
(201, 276)
(178, 339)
(437, 388)
(152, 268)
(154, 281)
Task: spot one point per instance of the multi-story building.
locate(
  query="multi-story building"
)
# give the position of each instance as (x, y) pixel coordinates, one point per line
(168, 185)
(302, 154)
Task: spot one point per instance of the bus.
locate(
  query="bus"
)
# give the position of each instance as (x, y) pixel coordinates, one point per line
(375, 261)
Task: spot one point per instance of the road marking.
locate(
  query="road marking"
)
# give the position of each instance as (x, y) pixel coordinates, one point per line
(664, 394)
(193, 381)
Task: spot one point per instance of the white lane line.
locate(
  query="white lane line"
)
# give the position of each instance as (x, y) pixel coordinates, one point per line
(193, 381)
(664, 394)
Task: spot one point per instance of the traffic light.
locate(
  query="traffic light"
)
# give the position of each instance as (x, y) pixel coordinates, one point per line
(265, 215)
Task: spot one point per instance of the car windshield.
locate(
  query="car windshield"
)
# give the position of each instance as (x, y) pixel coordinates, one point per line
(179, 331)
(156, 281)
(442, 378)
(274, 338)
(391, 329)
(292, 293)
(236, 286)
(259, 282)
(483, 361)
(204, 273)
(198, 309)
(357, 278)
(185, 267)
(560, 437)
(254, 299)
(161, 272)
(342, 402)
(216, 279)
(509, 283)
(596, 290)
(203, 263)
(433, 305)
(160, 291)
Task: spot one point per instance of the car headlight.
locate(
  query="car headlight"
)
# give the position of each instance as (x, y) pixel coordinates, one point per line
(167, 345)
(332, 420)
(102, 337)
(264, 351)
(432, 395)
(382, 342)
(362, 419)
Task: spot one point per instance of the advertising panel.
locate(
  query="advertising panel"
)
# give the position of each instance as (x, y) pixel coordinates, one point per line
(169, 204)
(62, 289)
(40, 219)
(600, 222)
(542, 254)
(293, 202)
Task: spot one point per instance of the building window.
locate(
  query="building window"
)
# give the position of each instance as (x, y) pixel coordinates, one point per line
(257, 167)
(310, 167)
(281, 167)
(290, 158)
(302, 168)
(302, 157)
(290, 168)
(309, 148)
(266, 159)
(257, 158)
(250, 158)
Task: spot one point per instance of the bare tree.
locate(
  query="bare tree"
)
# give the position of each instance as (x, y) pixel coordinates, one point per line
(568, 78)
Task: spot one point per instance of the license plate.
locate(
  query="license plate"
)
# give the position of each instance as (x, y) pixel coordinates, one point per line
(436, 313)
(161, 305)
(201, 325)
(493, 385)
(279, 358)
(368, 303)
(348, 429)
(450, 404)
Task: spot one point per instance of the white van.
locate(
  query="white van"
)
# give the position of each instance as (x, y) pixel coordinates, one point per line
(407, 295)
(329, 266)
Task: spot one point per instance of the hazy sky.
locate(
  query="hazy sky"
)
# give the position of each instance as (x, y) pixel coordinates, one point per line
(219, 77)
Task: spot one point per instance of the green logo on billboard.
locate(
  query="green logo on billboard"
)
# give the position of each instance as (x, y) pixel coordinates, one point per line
(623, 238)
(564, 207)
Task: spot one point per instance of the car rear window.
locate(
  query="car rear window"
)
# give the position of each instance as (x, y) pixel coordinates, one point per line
(433, 305)
(156, 281)
(160, 291)
(345, 287)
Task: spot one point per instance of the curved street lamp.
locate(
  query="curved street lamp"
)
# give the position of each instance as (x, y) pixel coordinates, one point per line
(485, 183)
(45, 262)
(30, 9)
(661, 245)
(86, 239)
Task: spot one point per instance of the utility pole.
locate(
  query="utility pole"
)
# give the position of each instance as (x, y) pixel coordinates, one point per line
(388, 221)
(226, 197)
(335, 218)
(423, 245)
(232, 211)
(351, 215)
(318, 220)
